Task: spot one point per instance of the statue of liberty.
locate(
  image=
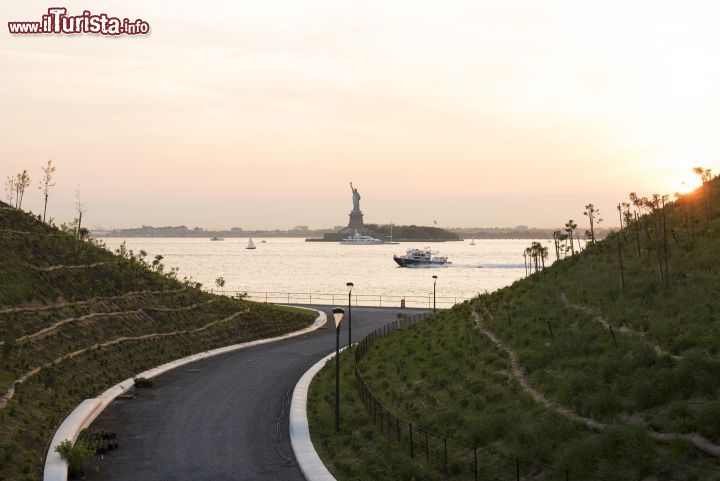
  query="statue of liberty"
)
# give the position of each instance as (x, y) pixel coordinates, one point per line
(356, 198)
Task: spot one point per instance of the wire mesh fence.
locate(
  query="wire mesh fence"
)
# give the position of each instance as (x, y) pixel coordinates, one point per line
(456, 459)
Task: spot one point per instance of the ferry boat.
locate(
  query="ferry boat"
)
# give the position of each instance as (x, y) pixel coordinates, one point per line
(418, 257)
(359, 239)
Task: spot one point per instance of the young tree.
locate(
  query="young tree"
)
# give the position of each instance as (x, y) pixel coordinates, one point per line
(620, 264)
(594, 215)
(80, 209)
(544, 253)
(46, 182)
(532, 259)
(638, 203)
(706, 177)
(10, 190)
(22, 182)
(220, 283)
(557, 236)
(663, 200)
(626, 215)
(570, 227)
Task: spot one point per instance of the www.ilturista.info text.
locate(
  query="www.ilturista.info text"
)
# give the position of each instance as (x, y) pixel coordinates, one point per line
(57, 21)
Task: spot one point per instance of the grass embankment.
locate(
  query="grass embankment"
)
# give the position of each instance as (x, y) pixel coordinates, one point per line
(76, 319)
(648, 386)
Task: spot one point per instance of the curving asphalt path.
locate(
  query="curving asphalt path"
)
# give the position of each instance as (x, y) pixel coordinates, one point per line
(223, 418)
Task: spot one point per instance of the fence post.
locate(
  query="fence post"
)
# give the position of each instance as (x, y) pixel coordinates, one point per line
(445, 444)
(311, 298)
(412, 452)
(266, 297)
(288, 298)
(476, 473)
(427, 449)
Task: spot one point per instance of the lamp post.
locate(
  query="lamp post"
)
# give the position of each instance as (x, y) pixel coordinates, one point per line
(349, 288)
(434, 284)
(338, 315)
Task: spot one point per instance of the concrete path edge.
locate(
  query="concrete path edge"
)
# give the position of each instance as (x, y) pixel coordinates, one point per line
(307, 458)
(86, 412)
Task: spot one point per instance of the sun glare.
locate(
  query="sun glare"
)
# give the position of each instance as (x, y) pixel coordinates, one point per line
(685, 183)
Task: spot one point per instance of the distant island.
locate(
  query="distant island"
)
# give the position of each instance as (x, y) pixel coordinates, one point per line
(400, 233)
(518, 232)
(382, 231)
(385, 232)
(184, 231)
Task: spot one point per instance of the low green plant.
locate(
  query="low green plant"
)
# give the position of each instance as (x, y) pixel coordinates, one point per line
(75, 456)
(143, 383)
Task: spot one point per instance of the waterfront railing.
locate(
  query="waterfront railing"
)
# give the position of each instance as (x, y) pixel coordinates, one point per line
(360, 300)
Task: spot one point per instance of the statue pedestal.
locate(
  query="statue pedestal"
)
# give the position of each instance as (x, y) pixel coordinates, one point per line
(356, 220)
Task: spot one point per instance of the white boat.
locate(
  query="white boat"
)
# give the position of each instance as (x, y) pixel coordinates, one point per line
(472, 242)
(359, 239)
(418, 257)
(251, 244)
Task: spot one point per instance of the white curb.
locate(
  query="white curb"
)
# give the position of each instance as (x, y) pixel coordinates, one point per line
(308, 460)
(86, 412)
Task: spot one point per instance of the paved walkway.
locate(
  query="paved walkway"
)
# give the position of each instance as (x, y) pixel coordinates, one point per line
(223, 418)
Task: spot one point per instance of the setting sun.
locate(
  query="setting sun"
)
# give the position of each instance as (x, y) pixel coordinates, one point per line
(685, 183)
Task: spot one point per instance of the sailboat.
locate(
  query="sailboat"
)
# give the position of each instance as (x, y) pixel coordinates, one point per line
(472, 242)
(251, 244)
(391, 236)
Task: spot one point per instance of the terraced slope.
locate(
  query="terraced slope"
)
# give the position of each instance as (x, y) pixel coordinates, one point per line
(76, 319)
(570, 371)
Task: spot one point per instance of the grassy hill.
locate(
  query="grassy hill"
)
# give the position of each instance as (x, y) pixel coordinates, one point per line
(76, 319)
(575, 369)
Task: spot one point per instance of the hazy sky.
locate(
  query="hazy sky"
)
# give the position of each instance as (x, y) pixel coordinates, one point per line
(259, 114)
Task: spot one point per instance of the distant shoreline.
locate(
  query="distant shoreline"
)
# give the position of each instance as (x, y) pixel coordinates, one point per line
(307, 239)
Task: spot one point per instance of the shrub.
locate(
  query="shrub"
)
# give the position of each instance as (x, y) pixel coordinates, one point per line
(141, 383)
(709, 419)
(74, 455)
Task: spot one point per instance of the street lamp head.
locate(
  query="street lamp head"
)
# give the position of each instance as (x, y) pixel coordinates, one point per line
(435, 277)
(349, 286)
(338, 315)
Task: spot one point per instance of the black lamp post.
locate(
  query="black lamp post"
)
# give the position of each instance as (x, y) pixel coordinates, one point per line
(434, 284)
(350, 288)
(338, 315)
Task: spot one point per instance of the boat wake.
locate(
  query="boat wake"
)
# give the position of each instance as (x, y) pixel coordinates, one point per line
(466, 266)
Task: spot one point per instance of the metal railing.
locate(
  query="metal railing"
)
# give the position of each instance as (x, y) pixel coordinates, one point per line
(360, 300)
